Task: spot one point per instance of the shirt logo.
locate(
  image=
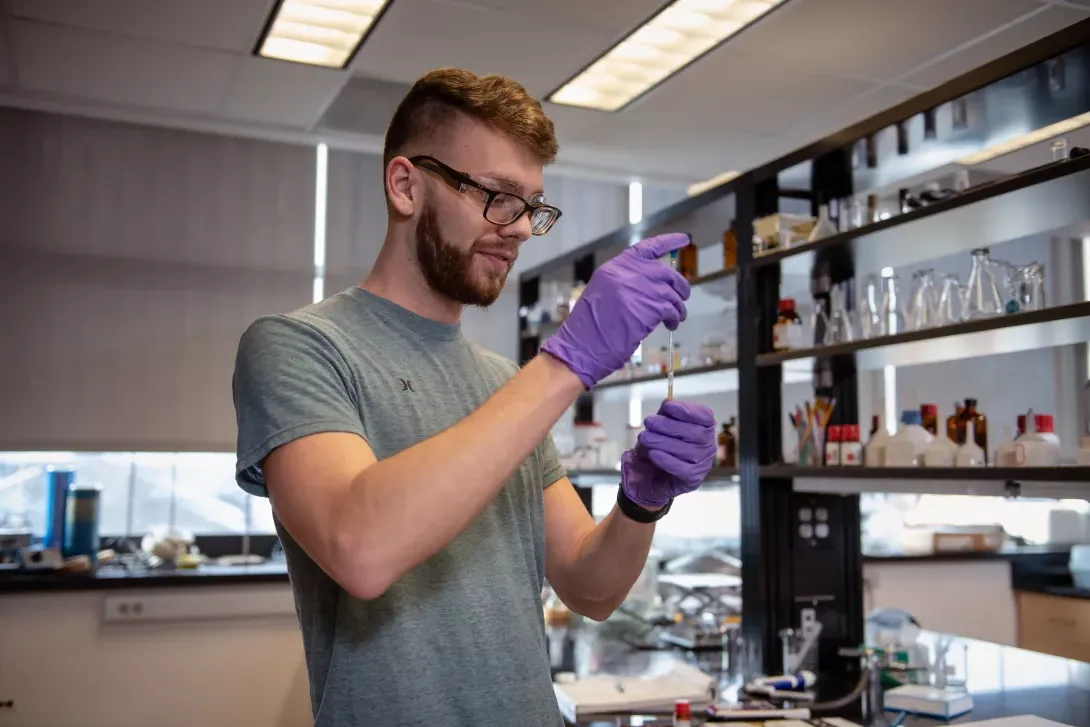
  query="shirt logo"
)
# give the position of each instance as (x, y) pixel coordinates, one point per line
(406, 385)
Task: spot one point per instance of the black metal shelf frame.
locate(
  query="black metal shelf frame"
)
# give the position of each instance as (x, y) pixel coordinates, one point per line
(1013, 320)
(783, 572)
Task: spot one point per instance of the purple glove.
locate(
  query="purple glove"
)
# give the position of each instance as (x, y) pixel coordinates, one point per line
(672, 455)
(626, 299)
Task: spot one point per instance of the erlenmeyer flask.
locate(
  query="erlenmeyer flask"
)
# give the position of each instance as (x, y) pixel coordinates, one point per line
(871, 323)
(949, 300)
(892, 309)
(982, 298)
(925, 303)
(840, 328)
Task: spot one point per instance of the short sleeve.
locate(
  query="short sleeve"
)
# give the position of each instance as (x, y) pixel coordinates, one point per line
(289, 382)
(552, 470)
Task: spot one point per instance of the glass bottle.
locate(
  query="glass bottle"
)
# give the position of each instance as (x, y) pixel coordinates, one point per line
(980, 426)
(954, 430)
(930, 414)
(728, 446)
(730, 248)
(982, 298)
(686, 261)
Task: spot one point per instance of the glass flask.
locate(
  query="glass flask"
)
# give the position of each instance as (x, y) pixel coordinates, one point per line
(892, 305)
(982, 297)
(950, 297)
(871, 323)
(923, 312)
(839, 328)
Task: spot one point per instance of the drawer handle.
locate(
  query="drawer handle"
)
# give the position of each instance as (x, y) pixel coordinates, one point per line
(1069, 622)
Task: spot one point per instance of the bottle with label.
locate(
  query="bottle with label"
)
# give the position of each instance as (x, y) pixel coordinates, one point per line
(980, 426)
(875, 451)
(851, 450)
(683, 713)
(832, 445)
(788, 329)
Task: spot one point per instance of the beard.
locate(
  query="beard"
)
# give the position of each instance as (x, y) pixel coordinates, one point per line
(448, 269)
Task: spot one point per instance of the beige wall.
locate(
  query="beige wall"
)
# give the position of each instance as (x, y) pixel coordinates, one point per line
(64, 667)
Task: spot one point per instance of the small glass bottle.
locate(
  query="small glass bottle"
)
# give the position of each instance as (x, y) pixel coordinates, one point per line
(930, 414)
(955, 430)
(787, 331)
(730, 248)
(851, 450)
(728, 446)
(980, 426)
(832, 445)
(686, 261)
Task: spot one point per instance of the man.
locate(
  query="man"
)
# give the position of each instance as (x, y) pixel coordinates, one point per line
(416, 490)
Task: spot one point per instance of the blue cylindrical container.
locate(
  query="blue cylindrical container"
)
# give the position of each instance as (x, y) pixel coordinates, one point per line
(81, 526)
(58, 480)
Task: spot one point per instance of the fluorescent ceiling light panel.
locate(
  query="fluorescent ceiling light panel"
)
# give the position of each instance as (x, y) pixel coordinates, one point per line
(679, 34)
(319, 32)
(1033, 137)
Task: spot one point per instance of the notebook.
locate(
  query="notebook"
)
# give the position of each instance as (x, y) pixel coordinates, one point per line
(605, 694)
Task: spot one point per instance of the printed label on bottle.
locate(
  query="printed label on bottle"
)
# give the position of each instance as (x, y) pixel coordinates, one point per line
(781, 337)
(850, 453)
(832, 454)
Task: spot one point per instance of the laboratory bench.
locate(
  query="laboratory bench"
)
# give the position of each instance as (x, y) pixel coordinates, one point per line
(109, 578)
(1003, 680)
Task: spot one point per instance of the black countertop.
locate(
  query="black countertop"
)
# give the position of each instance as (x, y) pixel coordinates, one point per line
(1004, 681)
(113, 578)
(1044, 553)
(1051, 577)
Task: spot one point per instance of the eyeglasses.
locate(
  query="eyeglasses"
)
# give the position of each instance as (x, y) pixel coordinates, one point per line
(500, 208)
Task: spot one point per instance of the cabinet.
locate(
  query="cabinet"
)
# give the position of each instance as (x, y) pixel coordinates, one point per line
(1058, 625)
(968, 598)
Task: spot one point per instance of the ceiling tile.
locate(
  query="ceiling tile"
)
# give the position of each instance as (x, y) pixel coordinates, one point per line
(100, 67)
(831, 119)
(616, 16)
(1044, 23)
(399, 50)
(733, 91)
(233, 25)
(881, 39)
(280, 93)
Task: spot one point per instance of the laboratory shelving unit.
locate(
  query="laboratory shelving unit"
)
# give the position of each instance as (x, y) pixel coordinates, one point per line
(783, 571)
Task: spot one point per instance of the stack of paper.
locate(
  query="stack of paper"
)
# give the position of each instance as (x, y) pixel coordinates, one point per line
(605, 694)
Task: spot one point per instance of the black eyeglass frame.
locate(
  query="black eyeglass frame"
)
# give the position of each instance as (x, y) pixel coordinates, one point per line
(457, 180)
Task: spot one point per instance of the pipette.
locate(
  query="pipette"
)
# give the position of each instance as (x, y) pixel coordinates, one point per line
(670, 343)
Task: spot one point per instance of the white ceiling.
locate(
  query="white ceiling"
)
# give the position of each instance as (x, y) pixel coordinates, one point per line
(805, 71)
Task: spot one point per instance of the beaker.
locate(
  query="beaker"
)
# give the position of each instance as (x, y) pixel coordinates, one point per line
(949, 300)
(924, 307)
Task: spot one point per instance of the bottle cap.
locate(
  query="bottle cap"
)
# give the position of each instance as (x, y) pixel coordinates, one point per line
(1044, 423)
(911, 416)
(787, 304)
(970, 403)
(852, 434)
(832, 433)
(682, 710)
(1021, 423)
(929, 410)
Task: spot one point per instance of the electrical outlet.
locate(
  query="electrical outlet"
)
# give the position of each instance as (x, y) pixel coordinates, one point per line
(809, 623)
(123, 609)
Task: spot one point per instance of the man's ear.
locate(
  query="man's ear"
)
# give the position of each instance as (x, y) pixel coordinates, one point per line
(401, 186)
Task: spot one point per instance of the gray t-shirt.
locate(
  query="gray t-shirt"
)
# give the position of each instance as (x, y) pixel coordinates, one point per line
(459, 640)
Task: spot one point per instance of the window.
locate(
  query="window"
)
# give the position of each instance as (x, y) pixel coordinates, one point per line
(191, 491)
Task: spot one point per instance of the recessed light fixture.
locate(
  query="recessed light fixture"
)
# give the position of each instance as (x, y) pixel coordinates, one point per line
(1028, 139)
(323, 33)
(673, 38)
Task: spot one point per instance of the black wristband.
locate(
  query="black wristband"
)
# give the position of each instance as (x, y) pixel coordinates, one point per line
(634, 511)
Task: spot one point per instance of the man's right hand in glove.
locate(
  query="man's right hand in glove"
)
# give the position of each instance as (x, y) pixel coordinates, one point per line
(626, 299)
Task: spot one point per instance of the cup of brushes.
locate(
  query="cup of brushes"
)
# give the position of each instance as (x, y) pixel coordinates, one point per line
(810, 424)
